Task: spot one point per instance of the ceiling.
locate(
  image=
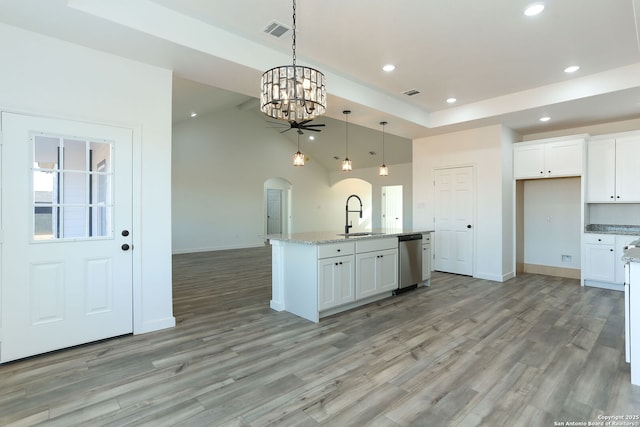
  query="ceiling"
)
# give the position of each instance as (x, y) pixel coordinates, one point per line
(502, 66)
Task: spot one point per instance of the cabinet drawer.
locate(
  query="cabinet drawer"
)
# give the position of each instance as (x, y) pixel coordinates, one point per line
(600, 239)
(376, 245)
(335, 249)
(426, 238)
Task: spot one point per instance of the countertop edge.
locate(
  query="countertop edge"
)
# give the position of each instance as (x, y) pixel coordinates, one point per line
(321, 238)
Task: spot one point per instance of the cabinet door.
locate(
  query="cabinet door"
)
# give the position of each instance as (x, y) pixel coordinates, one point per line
(528, 161)
(426, 262)
(387, 271)
(601, 166)
(628, 169)
(335, 282)
(599, 263)
(563, 158)
(366, 274)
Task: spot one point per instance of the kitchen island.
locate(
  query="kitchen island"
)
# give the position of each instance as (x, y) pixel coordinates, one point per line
(318, 274)
(632, 309)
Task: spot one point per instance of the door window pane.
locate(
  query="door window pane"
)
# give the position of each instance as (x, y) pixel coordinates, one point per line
(72, 188)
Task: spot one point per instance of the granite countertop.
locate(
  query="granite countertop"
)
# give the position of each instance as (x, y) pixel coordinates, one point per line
(321, 237)
(632, 255)
(632, 230)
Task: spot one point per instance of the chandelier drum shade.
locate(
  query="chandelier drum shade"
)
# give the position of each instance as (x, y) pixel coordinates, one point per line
(293, 92)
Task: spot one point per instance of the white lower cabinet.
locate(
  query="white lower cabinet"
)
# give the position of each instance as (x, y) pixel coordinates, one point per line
(348, 273)
(602, 264)
(426, 257)
(376, 272)
(599, 258)
(335, 281)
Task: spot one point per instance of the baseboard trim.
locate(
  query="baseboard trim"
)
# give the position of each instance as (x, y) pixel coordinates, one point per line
(547, 270)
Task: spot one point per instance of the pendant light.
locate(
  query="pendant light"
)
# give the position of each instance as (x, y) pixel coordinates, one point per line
(291, 92)
(346, 163)
(298, 157)
(384, 170)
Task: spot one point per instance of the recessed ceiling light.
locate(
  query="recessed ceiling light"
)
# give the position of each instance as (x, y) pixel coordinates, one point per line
(194, 114)
(311, 137)
(389, 67)
(571, 69)
(545, 119)
(451, 100)
(534, 9)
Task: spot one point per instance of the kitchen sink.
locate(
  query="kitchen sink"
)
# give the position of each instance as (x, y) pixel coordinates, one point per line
(360, 234)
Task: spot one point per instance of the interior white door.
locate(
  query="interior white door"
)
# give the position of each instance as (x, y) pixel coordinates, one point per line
(67, 249)
(274, 211)
(392, 207)
(454, 198)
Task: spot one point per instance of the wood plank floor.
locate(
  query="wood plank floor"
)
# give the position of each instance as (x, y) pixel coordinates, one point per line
(464, 352)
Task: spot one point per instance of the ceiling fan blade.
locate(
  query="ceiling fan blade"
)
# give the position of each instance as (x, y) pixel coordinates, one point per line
(316, 125)
(286, 130)
(304, 122)
(312, 130)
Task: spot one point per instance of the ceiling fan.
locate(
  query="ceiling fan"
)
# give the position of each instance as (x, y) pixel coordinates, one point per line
(300, 126)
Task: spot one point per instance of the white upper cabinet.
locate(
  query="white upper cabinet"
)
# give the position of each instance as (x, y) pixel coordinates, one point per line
(548, 159)
(613, 170)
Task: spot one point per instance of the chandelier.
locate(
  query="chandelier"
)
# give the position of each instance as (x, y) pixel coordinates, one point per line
(292, 92)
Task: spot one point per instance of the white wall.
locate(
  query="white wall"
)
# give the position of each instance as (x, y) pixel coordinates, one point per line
(44, 76)
(398, 175)
(552, 222)
(220, 163)
(486, 149)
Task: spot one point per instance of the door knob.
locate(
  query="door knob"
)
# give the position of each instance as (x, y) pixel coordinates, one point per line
(125, 233)
(125, 247)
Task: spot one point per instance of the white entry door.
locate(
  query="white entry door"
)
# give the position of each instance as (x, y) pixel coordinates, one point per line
(66, 216)
(454, 201)
(391, 207)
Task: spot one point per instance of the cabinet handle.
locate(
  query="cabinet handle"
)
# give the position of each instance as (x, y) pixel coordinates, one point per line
(338, 250)
(541, 172)
(549, 171)
(611, 197)
(610, 250)
(599, 240)
(617, 197)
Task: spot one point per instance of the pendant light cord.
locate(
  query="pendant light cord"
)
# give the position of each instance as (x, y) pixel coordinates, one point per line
(294, 36)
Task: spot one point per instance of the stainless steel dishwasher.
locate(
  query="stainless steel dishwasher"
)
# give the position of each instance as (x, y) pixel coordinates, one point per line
(409, 261)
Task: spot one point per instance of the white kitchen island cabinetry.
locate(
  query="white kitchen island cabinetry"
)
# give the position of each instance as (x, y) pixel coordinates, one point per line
(426, 257)
(335, 275)
(632, 315)
(318, 274)
(612, 172)
(376, 267)
(551, 158)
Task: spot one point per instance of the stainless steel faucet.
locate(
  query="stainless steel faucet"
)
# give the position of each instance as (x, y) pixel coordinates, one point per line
(347, 226)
